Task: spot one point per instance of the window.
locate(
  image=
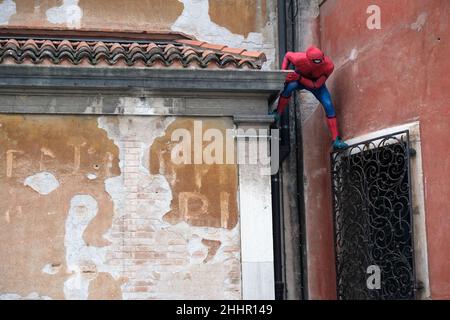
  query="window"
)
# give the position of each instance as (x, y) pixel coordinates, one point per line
(372, 204)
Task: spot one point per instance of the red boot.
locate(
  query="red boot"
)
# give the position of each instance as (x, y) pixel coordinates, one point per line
(337, 142)
(282, 103)
(332, 126)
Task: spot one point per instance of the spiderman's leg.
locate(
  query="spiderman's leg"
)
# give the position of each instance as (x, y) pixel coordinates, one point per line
(286, 95)
(323, 95)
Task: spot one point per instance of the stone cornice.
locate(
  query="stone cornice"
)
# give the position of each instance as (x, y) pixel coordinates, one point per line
(137, 91)
(175, 80)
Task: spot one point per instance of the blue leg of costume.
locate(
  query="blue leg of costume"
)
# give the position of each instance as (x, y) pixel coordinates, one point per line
(323, 95)
(291, 87)
(283, 100)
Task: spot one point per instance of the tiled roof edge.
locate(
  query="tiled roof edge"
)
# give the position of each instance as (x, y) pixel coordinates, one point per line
(257, 55)
(149, 54)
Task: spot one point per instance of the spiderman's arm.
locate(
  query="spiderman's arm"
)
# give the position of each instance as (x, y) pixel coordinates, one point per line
(319, 82)
(308, 83)
(288, 58)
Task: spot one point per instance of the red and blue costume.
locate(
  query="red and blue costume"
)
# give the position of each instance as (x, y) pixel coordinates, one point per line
(312, 69)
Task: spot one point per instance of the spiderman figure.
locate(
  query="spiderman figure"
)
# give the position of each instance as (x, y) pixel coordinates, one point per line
(312, 68)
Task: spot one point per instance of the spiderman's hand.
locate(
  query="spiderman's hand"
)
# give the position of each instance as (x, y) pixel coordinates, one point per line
(292, 76)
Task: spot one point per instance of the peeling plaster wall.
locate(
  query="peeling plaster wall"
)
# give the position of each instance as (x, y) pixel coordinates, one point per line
(249, 24)
(239, 16)
(43, 150)
(132, 15)
(192, 193)
(69, 14)
(7, 9)
(196, 20)
(162, 257)
(85, 212)
(89, 206)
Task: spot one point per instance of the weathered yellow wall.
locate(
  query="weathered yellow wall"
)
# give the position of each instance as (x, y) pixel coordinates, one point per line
(111, 226)
(249, 24)
(200, 185)
(111, 14)
(32, 226)
(239, 16)
(122, 221)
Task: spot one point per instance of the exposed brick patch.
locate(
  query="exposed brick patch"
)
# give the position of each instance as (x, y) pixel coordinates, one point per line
(159, 260)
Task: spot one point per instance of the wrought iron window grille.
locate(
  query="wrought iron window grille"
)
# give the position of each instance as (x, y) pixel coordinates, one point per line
(373, 214)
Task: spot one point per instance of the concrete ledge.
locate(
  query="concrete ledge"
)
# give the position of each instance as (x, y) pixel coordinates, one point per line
(253, 119)
(174, 80)
(138, 91)
(123, 103)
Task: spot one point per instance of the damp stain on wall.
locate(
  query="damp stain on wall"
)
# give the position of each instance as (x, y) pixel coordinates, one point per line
(44, 161)
(119, 15)
(239, 16)
(202, 194)
(87, 213)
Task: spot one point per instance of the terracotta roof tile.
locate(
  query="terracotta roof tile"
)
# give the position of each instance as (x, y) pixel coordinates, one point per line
(217, 47)
(226, 56)
(153, 48)
(188, 51)
(29, 44)
(253, 54)
(12, 43)
(65, 43)
(174, 53)
(244, 62)
(171, 49)
(233, 50)
(82, 45)
(260, 57)
(133, 46)
(195, 43)
(116, 47)
(206, 53)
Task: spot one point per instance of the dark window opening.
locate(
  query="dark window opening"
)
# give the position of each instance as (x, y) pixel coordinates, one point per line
(373, 219)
